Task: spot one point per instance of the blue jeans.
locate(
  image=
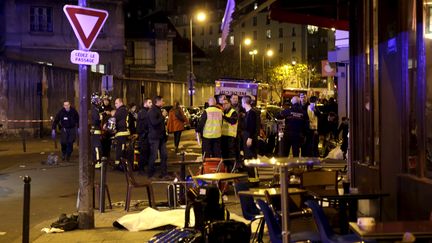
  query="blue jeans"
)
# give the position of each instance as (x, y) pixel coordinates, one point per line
(155, 146)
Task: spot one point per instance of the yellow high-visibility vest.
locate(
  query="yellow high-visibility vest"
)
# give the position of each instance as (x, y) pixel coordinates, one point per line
(229, 129)
(213, 125)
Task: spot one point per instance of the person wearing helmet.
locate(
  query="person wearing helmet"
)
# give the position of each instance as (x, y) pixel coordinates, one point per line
(95, 130)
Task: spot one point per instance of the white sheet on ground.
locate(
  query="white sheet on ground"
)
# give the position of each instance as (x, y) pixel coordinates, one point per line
(150, 218)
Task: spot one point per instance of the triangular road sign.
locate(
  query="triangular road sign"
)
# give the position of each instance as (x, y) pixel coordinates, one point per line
(86, 23)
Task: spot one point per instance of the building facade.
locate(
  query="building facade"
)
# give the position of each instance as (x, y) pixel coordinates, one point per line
(38, 31)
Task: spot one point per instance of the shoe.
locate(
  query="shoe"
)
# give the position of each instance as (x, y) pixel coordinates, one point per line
(63, 158)
(98, 165)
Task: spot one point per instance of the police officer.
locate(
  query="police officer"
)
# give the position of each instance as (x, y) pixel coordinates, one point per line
(122, 129)
(67, 119)
(210, 126)
(96, 132)
(296, 125)
(229, 134)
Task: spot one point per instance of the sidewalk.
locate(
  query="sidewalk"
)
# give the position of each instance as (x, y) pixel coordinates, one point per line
(103, 231)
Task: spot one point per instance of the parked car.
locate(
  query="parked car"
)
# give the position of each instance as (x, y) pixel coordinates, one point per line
(272, 127)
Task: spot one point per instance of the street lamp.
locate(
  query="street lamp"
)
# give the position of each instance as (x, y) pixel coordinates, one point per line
(200, 17)
(253, 53)
(247, 42)
(269, 54)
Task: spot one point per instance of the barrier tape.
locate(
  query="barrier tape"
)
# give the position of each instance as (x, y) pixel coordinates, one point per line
(19, 121)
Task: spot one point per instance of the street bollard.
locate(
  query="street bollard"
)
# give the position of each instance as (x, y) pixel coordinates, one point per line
(26, 210)
(102, 186)
(23, 139)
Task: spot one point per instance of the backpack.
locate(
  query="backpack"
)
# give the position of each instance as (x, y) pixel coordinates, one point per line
(66, 223)
(208, 206)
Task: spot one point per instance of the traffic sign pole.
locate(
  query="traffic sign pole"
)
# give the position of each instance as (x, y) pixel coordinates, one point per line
(86, 170)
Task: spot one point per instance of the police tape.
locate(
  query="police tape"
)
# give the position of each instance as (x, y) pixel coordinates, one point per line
(25, 121)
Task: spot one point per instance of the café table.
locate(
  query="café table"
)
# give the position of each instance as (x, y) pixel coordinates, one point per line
(394, 230)
(259, 192)
(220, 176)
(284, 163)
(346, 201)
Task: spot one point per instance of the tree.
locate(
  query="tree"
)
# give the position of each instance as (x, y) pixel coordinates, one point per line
(289, 76)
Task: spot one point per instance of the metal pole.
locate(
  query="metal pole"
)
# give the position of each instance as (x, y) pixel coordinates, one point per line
(240, 57)
(191, 64)
(23, 140)
(26, 210)
(102, 186)
(284, 202)
(86, 181)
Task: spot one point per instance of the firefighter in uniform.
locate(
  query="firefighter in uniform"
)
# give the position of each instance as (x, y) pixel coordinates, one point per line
(95, 131)
(68, 120)
(122, 129)
(229, 134)
(210, 126)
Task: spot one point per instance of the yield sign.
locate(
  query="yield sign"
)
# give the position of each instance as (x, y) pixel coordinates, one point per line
(86, 23)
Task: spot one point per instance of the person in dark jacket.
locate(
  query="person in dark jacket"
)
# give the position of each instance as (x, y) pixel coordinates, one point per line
(142, 130)
(122, 129)
(96, 129)
(68, 121)
(296, 125)
(157, 137)
(250, 129)
(132, 119)
(106, 134)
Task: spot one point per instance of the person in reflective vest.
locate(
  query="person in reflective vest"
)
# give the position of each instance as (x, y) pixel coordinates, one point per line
(210, 128)
(121, 117)
(229, 134)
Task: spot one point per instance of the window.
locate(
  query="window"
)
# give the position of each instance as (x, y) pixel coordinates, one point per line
(254, 21)
(293, 49)
(99, 68)
(231, 40)
(293, 33)
(210, 43)
(255, 35)
(211, 30)
(280, 32)
(41, 19)
(268, 34)
(280, 47)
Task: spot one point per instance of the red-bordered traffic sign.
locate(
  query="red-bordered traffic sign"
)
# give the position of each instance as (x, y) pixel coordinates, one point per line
(86, 23)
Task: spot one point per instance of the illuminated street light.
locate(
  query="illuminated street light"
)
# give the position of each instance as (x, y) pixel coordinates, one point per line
(200, 17)
(269, 54)
(246, 42)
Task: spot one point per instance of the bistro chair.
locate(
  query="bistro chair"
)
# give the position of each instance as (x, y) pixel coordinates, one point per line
(132, 183)
(320, 180)
(250, 210)
(275, 229)
(326, 232)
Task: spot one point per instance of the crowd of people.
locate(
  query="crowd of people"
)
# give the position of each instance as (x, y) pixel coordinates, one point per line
(229, 128)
